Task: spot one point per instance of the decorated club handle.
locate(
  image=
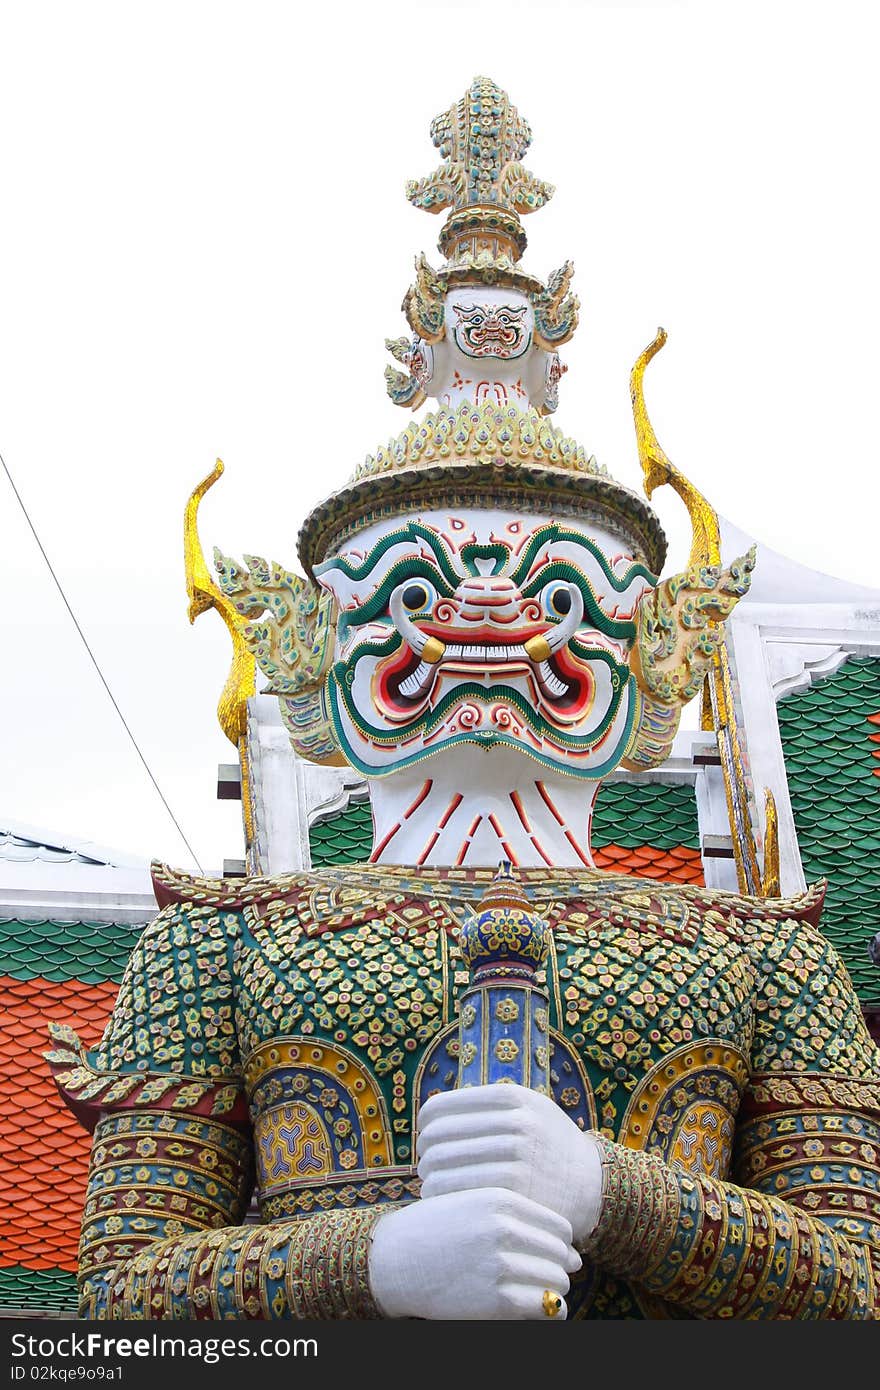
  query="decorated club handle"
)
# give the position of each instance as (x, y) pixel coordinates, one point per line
(503, 1020)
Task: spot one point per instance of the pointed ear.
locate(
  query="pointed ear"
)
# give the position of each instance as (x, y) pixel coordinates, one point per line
(425, 304)
(556, 311)
(289, 624)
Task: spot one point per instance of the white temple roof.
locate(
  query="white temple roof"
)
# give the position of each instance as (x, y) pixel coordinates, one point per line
(777, 579)
(62, 877)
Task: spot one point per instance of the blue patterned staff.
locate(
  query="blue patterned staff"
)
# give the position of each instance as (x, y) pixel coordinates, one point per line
(503, 1022)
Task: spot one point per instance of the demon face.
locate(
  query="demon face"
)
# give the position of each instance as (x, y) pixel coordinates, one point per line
(484, 627)
(490, 324)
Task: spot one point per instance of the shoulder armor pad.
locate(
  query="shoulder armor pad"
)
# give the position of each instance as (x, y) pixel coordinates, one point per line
(173, 886)
(90, 1092)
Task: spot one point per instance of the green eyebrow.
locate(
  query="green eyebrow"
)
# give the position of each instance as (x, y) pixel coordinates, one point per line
(407, 568)
(620, 628)
(413, 530)
(554, 532)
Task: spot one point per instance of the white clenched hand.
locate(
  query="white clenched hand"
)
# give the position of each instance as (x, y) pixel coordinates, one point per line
(484, 1254)
(510, 1137)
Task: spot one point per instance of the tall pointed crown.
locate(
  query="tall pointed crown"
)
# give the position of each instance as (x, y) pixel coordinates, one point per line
(482, 181)
(482, 139)
(482, 453)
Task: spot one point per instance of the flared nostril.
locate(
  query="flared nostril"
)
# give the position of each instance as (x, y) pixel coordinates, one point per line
(487, 596)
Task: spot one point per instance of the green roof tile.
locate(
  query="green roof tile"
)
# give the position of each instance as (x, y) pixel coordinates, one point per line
(345, 839)
(835, 798)
(37, 1290)
(86, 951)
(629, 814)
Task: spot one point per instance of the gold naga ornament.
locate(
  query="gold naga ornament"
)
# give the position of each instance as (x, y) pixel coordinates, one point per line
(705, 665)
(204, 595)
(293, 648)
(485, 453)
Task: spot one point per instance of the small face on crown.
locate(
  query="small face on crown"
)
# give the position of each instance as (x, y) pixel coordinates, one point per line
(484, 627)
(487, 323)
(487, 352)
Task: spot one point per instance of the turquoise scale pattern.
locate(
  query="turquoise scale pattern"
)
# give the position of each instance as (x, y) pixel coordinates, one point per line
(54, 950)
(628, 814)
(37, 1291)
(835, 797)
(632, 814)
(346, 838)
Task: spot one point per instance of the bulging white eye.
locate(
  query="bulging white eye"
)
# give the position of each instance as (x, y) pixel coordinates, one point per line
(556, 598)
(417, 596)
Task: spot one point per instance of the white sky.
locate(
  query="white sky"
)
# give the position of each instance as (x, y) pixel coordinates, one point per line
(204, 242)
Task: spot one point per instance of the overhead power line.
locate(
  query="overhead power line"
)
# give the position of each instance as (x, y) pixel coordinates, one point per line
(94, 662)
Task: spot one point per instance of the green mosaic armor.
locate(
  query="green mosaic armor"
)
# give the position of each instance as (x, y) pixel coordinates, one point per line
(293, 1026)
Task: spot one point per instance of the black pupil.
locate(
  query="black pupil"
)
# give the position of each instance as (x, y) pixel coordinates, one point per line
(561, 601)
(415, 596)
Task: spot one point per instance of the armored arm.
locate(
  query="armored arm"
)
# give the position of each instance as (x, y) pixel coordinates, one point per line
(723, 1251)
(797, 1234)
(171, 1166)
(162, 1238)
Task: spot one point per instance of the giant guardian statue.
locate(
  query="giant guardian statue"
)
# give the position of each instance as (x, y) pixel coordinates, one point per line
(476, 1077)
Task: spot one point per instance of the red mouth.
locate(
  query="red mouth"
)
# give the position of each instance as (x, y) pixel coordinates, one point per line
(489, 341)
(561, 684)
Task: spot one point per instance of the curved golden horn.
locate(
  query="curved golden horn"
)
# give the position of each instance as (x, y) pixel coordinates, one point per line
(204, 594)
(718, 709)
(658, 469)
(200, 588)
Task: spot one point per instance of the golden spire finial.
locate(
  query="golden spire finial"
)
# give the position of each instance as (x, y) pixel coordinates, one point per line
(482, 139)
(486, 189)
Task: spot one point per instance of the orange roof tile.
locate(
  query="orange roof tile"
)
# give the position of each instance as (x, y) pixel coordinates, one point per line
(43, 1151)
(678, 865)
